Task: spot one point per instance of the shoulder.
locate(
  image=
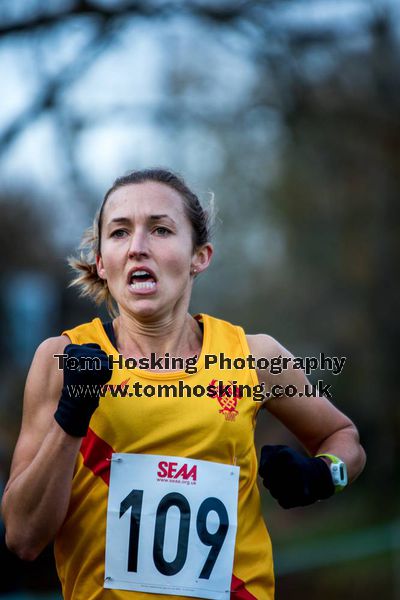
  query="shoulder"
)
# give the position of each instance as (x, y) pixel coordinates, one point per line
(262, 345)
(275, 358)
(49, 348)
(44, 367)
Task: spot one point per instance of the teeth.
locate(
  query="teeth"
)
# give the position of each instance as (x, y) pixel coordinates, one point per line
(140, 273)
(143, 285)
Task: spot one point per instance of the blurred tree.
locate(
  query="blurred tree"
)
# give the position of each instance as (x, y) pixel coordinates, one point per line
(336, 199)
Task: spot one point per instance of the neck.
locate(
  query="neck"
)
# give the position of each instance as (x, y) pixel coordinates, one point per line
(180, 335)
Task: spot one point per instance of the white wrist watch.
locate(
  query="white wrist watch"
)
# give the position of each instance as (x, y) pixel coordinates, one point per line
(338, 471)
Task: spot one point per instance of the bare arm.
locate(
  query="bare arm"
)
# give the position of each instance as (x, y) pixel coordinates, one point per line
(317, 424)
(37, 494)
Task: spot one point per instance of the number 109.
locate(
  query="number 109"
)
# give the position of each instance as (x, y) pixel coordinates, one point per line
(215, 540)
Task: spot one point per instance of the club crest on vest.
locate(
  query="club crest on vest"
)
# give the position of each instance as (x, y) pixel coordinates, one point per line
(227, 396)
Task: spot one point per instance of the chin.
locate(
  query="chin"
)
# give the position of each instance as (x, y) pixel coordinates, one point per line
(142, 309)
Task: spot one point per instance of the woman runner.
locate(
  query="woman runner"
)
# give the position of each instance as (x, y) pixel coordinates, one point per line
(136, 451)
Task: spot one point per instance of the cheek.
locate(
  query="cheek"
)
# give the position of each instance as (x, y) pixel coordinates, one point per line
(177, 261)
(110, 260)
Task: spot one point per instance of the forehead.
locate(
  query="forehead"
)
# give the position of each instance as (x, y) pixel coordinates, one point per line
(143, 199)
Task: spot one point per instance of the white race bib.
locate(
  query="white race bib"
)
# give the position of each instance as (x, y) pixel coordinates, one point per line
(171, 525)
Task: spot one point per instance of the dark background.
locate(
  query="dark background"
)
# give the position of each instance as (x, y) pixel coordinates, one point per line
(290, 113)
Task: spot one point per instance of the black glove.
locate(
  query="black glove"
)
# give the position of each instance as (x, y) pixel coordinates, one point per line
(294, 479)
(81, 390)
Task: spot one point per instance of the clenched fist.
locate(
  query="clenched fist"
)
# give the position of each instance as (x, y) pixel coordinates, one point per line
(294, 479)
(86, 370)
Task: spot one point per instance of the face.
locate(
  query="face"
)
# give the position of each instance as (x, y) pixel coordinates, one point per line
(147, 254)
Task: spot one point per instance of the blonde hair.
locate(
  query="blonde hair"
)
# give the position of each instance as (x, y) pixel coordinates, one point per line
(86, 277)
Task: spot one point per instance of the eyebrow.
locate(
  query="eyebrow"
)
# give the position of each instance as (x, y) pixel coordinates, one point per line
(157, 217)
(125, 220)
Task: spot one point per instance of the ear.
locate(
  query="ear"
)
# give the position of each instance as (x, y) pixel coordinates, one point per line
(201, 258)
(101, 272)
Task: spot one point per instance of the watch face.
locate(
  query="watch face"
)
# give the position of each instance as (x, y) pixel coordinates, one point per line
(339, 474)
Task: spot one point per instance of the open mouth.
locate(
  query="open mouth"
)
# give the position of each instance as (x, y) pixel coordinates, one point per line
(142, 280)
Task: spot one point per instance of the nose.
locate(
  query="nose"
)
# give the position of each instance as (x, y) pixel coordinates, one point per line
(138, 244)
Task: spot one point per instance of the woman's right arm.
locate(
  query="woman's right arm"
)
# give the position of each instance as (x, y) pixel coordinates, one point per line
(36, 497)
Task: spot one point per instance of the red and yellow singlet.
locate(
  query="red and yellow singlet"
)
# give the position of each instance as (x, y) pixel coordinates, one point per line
(215, 429)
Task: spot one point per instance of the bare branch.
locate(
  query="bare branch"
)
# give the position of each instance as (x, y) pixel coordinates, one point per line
(47, 99)
(213, 13)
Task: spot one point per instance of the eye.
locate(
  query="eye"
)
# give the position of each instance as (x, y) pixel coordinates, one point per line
(163, 231)
(118, 233)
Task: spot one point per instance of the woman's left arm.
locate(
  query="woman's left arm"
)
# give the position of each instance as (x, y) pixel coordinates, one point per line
(315, 421)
